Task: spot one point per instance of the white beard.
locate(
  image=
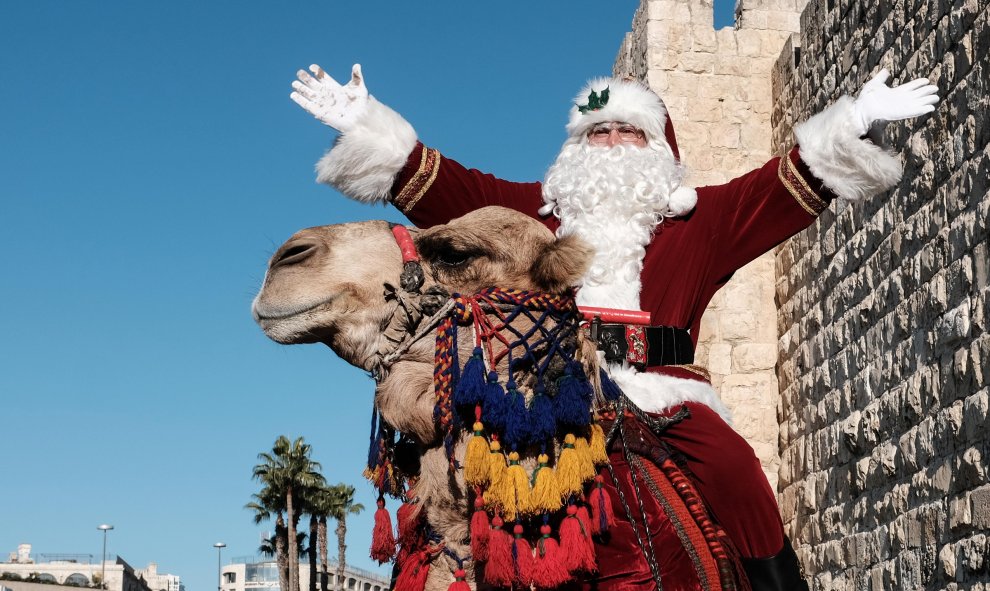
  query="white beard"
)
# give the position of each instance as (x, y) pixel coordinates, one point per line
(613, 198)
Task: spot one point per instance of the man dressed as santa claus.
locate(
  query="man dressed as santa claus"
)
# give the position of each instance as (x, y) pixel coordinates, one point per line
(660, 246)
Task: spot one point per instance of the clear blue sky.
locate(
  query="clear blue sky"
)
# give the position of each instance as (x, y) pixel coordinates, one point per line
(150, 162)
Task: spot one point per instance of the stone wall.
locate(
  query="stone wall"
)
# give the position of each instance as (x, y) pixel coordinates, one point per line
(716, 85)
(884, 359)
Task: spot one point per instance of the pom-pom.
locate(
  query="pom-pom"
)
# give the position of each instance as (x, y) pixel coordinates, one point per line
(408, 517)
(495, 403)
(480, 531)
(522, 558)
(583, 451)
(549, 570)
(470, 388)
(542, 422)
(519, 480)
(545, 495)
(569, 471)
(602, 514)
(413, 572)
(599, 455)
(476, 468)
(459, 583)
(499, 570)
(580, 554)
(382, 538)
(516, 418)
(610, 391)
(572, 405)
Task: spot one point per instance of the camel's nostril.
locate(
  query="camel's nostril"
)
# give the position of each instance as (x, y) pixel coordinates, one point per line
(293, 253)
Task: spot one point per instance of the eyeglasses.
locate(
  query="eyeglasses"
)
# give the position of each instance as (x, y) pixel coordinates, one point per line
(627, 133)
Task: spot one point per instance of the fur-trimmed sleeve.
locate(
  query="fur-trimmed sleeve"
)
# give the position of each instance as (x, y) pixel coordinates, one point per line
(852, 167)
(365, 161)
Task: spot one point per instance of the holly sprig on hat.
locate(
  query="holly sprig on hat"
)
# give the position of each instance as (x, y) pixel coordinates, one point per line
(596, 101)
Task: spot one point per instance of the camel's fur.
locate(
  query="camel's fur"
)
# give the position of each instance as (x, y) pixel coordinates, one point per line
(325, 285)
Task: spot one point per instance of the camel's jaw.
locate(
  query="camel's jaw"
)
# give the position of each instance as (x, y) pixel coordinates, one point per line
(294, 323)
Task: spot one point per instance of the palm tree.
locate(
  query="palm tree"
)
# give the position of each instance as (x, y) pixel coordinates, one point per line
(321, 503)
(342, 505)
(265, 504)
(288, 471)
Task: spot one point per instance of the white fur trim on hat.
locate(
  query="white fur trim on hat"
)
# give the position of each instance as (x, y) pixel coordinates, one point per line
(852, 167)
(628, 102)
(364, 162)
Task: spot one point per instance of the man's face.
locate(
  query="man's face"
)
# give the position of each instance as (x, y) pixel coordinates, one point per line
(614, 133)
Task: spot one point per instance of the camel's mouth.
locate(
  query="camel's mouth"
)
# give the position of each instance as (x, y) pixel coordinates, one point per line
(293, 324)
(264, 312)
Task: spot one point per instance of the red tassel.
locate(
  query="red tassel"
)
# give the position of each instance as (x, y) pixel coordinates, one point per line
(408, 518)
(480, 530)
(549, 571)
(522, 558)
(499, 569)
(382, 538)
(580, 555)
(602, 514)
(412, 575)
(459, 583)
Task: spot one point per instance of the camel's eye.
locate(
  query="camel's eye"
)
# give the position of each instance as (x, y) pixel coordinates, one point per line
(450, 257)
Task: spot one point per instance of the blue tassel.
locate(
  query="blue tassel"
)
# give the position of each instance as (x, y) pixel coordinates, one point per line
(610, 390)
(517, 418)
(572, 405)
(373, 446)
(470, 390)
(542, 422)
(495, 407)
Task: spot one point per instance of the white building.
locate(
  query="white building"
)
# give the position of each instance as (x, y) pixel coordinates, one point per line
(257, 574)
(85, 570)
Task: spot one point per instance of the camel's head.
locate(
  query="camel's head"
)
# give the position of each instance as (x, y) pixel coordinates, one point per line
(325, 284)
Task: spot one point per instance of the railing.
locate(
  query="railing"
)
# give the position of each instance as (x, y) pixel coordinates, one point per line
(72, 558)
(332, 567)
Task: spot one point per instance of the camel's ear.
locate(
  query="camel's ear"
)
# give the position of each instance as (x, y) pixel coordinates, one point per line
(561, 264)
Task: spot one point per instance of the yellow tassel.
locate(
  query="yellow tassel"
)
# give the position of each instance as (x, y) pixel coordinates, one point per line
(568, 471)
(584, 459)
(500, 493)
(517, 475)
(476, 461)
(546, 494)
(599, 455)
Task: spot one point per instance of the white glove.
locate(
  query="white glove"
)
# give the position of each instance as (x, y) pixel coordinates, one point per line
(335, 105)
(879, 102)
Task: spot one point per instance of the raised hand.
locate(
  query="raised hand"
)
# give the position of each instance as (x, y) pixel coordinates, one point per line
(879, 102)
(335, 105)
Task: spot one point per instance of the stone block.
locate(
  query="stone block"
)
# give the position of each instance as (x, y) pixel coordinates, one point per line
(748, 358)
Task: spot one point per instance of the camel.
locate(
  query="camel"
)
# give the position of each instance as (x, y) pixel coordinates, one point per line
(325, 285)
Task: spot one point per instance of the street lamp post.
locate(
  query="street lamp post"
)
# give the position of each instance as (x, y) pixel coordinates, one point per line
(103, 565)
(219, 546)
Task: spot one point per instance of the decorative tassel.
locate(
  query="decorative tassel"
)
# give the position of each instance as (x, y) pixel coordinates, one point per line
(572, 405)
(542, 423)
(585, 518)
(546, 493)
(382, 538)
(499, 569)
(580, 554)
(480, 530)
(516, 432)
(585, 462)
(522, 558)
(609, 388)
(602, 514)
(409, 517)
(470, 388)
(476, 469)
(549, 571)
(413, 573)
(495, 403)
(599, 455)
(500, 492)
(459, 583)
(568, 471)
(518, 500)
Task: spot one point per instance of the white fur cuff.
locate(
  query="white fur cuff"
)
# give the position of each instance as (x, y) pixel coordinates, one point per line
(364, 162)
(853, 168)
(655, 392)
(682, 200)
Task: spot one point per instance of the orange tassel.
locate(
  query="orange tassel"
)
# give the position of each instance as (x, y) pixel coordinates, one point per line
(499, 569)
(602, 513)
(549, 571)
(480, 530)
(459, 583)
(522, 558)
(580, 554)
(413, 573)
(382, 538)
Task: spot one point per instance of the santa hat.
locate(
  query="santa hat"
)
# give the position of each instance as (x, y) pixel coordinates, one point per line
(604, 100)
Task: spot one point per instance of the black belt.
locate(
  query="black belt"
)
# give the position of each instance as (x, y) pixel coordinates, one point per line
(643, 346)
